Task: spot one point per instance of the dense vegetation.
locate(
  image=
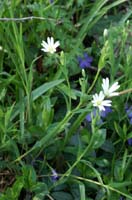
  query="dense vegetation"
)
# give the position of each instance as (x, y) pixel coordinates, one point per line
(66, 100)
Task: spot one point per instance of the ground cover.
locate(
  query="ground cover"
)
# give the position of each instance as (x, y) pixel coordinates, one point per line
(66, 100)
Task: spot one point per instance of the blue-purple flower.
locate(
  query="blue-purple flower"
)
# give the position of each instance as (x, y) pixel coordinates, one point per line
(85, 61)
(51, 1)
(129, 113)
(54, 176)
(128, 110)
(129, 141)
(121, 198)
(90, 115)
(103, 114)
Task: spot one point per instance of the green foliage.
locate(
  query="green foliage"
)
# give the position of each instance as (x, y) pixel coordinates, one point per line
(49, 148)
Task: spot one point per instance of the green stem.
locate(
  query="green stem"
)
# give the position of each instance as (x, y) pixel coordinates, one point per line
(47, 138)
(68, 172)
(93, 83)
(102, 185)
(74, 127)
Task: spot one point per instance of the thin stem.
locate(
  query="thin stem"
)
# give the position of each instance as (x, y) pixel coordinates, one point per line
(107, 187)
(49, 197)
(93, 83)
(100, 184)
(125, 91)
(77, 161)
(29, 18)
(53, 133)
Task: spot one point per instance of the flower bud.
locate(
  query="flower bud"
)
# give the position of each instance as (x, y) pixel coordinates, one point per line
(105, 33)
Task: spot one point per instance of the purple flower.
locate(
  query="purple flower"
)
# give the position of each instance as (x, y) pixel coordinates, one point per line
(129, 113)
(129, 141)
(89, 116)
(93, 114)
(51, 1)
(54, 176)
(121, 198)
(85, 61)
(103, 114)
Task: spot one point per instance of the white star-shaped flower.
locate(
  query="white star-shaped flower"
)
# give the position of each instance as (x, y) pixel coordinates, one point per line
(50, 46)
(109, 90)
(100, 102)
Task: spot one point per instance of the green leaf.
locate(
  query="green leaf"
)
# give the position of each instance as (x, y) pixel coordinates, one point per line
(118, 172)
(36, 94)
(99, 138)
(108, 146)
(120, 184)
(44, 88)
(10, 146)
(40, 190)
(67, 91)
(14, 192)
(101, 194)
(29, 176)
(59, 195)
(82, 191)
(102, 162)
(48, 112)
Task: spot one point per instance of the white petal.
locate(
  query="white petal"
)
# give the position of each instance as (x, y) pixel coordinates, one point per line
(48, 41)
(52, 41)
(101, 107)
(114, 94)
(101, 95)
(56, 44)
(105, 85)
(107, 103)
(50, 46)
(45, 50)
(44, 44)
(114, 87)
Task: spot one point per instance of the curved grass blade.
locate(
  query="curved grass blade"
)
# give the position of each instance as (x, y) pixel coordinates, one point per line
(36, 94)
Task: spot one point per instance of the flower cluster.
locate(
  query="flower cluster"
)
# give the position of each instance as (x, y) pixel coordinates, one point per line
(107, 91)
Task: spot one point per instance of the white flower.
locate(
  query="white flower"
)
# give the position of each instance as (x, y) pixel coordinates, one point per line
(50, 46)
(98, 101)
(110, 90)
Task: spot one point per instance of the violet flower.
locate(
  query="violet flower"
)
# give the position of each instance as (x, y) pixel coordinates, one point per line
(121, 198)
(128, 110)
(129, 113)
(85, 61)
(89, 116)
(54, 176)
(51, 1)
(129, 141)
(103, 114)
